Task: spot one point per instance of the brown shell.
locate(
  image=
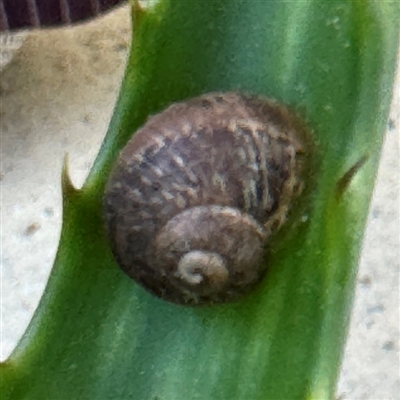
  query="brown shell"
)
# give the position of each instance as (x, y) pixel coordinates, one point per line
(197, 191)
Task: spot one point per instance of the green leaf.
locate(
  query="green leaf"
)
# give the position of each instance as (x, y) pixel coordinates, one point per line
(97, 335)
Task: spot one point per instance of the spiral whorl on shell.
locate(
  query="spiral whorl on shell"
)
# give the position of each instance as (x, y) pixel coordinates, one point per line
(197, 191)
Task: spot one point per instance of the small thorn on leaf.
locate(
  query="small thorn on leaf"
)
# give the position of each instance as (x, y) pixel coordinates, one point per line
(66, 183)
(346, 179)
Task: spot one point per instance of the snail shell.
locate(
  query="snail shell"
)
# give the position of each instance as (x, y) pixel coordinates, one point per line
(198, 190)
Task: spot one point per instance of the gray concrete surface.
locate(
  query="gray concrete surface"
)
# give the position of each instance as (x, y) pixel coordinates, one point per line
(56, 97)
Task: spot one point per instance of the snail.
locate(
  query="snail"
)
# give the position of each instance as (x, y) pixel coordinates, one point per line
(198, 190)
